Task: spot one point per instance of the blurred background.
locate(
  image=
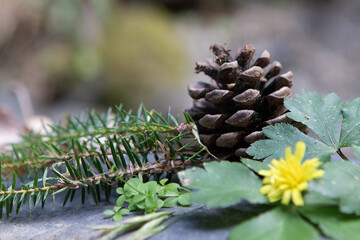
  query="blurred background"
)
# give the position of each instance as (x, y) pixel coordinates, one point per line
(62, 56)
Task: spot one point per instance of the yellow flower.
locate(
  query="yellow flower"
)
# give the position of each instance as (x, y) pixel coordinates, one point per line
(287, 178)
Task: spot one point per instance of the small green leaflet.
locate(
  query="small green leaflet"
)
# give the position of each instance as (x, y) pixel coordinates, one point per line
(280, 223)
(341, 181)
(282, 136)
(222, 184)
(350, 129)
(321, 116)
(333, 223)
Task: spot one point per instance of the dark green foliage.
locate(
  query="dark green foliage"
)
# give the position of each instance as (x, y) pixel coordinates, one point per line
(321, 115)
(91, 153)
(223, 183)
(341, 181)
(280, 223)
(280, 137)
(331, 202)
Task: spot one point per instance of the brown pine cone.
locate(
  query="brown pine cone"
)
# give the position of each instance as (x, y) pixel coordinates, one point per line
(243, 97)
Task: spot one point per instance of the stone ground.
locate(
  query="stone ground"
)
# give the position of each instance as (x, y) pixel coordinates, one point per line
(75, 222)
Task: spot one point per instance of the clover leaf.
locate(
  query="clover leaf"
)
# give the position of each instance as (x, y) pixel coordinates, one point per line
(118, 212)
(149, 196)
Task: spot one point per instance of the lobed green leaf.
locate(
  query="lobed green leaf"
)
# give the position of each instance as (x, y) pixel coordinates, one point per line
(356, 150)
(222, 184)
(322, 116)
(350, 128)
(283, 135)
(333, 223)
(341, 181)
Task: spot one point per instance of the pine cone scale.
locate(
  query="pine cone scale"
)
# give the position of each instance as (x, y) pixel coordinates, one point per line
(199, 89)
(212, 121)
(219, 96)
(247, 99)
(242, 118)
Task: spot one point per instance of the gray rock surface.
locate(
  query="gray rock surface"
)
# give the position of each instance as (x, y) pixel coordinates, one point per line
(75, 222)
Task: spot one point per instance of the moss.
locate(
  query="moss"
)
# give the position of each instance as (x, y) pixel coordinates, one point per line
(141, 52)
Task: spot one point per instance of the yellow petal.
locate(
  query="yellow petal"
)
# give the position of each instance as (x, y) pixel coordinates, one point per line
(283, 187)
(288, 154)
(275, 193)
(318, 173)
(266, 189)
(286, 197)
(264, 172)
(299, 151)
(287, 178)
(302, 186)
(297, 198)
(274, 162)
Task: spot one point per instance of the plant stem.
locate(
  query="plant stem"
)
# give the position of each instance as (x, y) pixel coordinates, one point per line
(341, 154)
(32, 190)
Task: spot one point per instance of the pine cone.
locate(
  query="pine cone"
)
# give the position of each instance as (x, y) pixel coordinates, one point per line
(243, 97)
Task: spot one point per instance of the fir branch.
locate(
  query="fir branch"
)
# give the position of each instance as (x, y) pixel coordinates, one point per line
(93, 153)
(32, 190)
(37, 151)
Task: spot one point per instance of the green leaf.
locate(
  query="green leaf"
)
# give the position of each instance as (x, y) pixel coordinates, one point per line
(108, 212)
(141, 188)
(117, 217)
(170, 202)
(277, 224)
(185, 199)
(131, 187)
(254, 164)
(341, 181)
(159, 203)
(120, 201)
(333, 223)
(315, 198)
(120, 190)
(151, 187)
(350, 128)
(124, 211)
(322, 116)
(163, 181)
(356, 150)
(282, 136)
(222, 184)
(138, 198)
(171, 190)
(150, 201)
